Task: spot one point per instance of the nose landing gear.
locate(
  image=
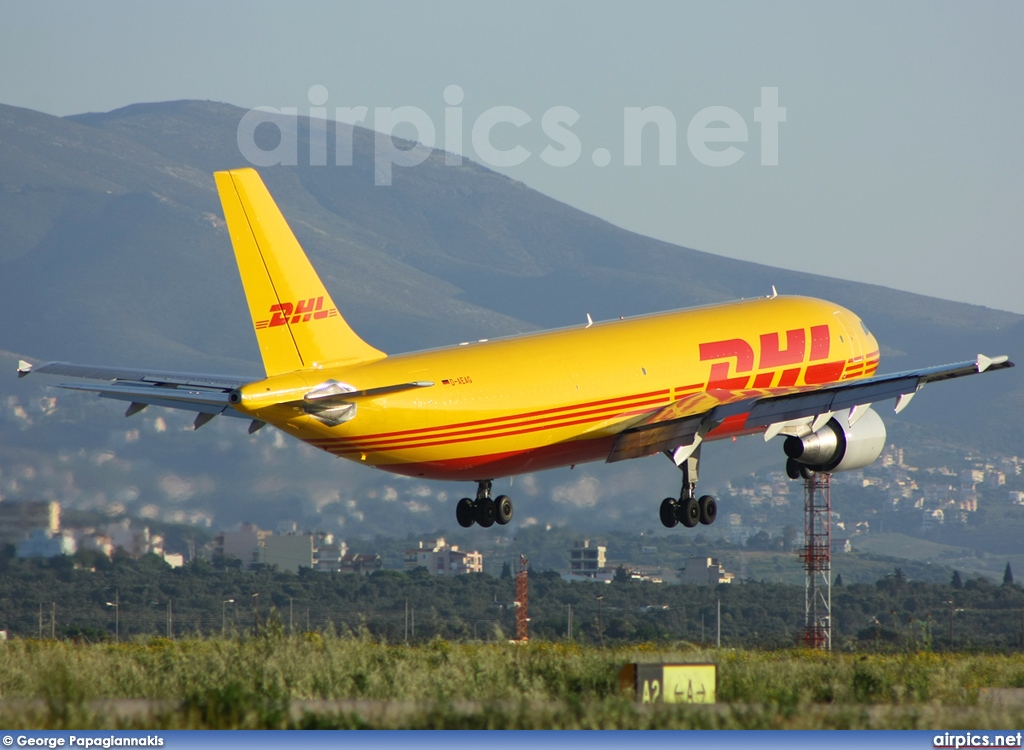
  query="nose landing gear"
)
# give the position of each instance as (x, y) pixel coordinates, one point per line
(484, 510)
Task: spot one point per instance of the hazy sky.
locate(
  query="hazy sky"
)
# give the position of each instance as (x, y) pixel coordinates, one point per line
(900, 161)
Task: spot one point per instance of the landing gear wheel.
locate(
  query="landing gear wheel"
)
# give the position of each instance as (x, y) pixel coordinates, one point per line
(503, 509)
(486, 512)
(464, 513)
(797, 470)
(668, 512)
(708, 510)
(689, 512)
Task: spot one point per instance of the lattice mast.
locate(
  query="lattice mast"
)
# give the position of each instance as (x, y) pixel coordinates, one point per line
(522, 600)
(817, 557)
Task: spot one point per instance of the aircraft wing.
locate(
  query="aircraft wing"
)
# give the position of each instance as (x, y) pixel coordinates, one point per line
(208, 395)
(681, 426)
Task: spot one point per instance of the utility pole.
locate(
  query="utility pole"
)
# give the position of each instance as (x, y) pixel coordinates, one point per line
(255, 615)
(522, 601)
(718, 624)
(600, 622)
(406, 620)
(170, 620)
(53, 620)
(224, 614)
(40, 621)
(116, 604)
(568, 629)
(291, 627)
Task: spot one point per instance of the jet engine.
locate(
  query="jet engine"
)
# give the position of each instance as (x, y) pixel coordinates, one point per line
(839, 445)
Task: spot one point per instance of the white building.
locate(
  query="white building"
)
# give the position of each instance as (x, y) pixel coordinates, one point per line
(18, 519)
(243, 543)
(587, 560)
(44, 543)
(444, 560)
(328, 552)
(288, 552)
(704, 571)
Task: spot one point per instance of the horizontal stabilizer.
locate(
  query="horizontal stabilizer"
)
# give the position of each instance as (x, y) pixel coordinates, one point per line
(154, 377)
(197, 392)
(207, 402)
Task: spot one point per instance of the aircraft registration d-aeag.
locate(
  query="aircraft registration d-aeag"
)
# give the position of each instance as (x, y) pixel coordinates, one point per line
(666, 383)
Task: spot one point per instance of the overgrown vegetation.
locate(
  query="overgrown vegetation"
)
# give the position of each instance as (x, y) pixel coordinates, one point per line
(323, 680)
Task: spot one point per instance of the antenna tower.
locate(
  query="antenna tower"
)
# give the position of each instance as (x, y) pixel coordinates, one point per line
(817, 557)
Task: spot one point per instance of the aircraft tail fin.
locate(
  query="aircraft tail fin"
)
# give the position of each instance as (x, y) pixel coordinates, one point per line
(297, 324)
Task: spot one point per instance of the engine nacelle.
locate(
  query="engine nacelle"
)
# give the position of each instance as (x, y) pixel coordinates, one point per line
(840, 446)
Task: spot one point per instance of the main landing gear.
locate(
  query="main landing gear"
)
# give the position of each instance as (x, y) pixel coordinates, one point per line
(484, 510)
(688, 510)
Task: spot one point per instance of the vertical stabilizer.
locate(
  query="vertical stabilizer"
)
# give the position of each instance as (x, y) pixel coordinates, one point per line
(297, 324)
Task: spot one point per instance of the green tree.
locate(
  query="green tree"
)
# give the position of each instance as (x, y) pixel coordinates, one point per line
(1008, 575)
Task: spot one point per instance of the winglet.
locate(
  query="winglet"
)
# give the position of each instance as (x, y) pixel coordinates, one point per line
(986, 362)
(24, 368)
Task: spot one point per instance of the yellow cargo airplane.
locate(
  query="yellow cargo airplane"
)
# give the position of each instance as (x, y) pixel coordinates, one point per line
(792, 366)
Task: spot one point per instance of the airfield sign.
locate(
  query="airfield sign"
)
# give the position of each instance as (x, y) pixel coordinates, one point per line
(670, 683)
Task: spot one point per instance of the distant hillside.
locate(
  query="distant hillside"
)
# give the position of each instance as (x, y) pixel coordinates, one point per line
(113, 250)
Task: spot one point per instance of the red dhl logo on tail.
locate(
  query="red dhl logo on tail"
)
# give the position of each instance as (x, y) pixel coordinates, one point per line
(297, 312)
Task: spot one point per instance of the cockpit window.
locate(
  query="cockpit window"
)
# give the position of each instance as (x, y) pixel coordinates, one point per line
(864, 328)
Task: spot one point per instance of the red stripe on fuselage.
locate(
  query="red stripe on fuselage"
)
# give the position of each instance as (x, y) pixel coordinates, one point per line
(424, 431)
(435, 440)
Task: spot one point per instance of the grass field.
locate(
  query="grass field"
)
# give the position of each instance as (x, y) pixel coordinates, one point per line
(324, 681)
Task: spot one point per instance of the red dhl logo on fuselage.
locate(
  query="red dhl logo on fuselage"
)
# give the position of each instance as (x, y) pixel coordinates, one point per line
(773, 366)
(297, 312)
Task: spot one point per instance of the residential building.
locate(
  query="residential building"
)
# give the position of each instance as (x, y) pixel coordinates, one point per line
(288, 552)
(328, 552)
(587, 560)
(45, 543)
(704, 571)
(444, 560)
(243, 543)
(365, 563)
(19, 519)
